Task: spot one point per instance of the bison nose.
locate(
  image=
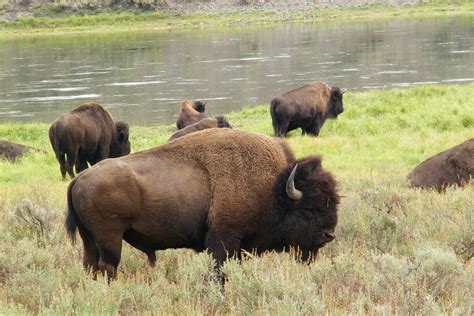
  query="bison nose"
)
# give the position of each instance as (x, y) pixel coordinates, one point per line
(330, 235)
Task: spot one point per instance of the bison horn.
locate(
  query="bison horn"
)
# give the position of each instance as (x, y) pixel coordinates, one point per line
(291, 191)
(343, 91)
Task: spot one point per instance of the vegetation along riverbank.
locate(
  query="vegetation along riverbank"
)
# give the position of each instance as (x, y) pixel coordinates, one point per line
(93, 21)
(397, 250)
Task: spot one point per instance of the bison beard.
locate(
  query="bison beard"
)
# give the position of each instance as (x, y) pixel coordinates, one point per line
(218, 190)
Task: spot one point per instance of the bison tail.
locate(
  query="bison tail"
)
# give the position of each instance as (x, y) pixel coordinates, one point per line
(71, 217)
(275, 121)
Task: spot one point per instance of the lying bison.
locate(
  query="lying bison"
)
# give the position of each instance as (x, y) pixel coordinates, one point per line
(13, 151)
(208, 122)
(219, 190)
(191, 112)
(307, 108)
(454, 166)
(87, 134)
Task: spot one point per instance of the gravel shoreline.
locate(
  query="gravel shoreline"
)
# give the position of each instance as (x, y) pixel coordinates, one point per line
(180, 7)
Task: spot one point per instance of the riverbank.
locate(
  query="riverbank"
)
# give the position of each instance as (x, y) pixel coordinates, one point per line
(158, 21)
(397, 251)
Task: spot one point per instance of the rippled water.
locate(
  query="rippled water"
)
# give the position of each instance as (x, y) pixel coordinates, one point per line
(142, 78)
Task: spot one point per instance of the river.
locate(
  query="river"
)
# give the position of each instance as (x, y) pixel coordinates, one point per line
(142, 77)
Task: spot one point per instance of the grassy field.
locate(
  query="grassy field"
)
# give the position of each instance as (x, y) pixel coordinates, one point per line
(397, 250)
(155, 21)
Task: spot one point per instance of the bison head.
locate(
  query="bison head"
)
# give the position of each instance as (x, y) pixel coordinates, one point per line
(335, 103)
(199, 106)
(222, 122)
(121, 146)
(307, 199)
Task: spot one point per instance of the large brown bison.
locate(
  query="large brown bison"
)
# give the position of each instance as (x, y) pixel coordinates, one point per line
(13, 151)
(454, 166)
(208, 122)
(307, 108)
(219, 190)
(190, 113)
(87, 134)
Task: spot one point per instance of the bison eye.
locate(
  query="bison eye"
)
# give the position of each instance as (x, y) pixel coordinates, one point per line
(330, 235)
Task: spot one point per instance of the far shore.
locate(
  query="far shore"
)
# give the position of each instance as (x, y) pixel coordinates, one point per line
(113, 22)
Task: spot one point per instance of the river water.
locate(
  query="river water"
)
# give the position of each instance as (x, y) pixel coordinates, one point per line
(142, 77)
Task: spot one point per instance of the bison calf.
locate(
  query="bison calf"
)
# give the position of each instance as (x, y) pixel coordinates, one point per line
(307, 108)
(454, 166)
(87, 134)
(190, 113)
(208, 122)
(219, 190)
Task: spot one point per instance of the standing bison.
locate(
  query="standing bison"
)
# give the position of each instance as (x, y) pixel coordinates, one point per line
(87, 134)
(454, 166)
(190, 113)
(307, 108)
(208, 122)
(219, 190)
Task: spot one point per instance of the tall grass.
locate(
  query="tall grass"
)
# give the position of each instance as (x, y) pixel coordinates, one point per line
(398, 250)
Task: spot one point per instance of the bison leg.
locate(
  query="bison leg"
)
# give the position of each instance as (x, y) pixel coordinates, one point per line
(110, 249)
(99, 155)
(81, 165)
(91, 252)
(71, 161)
(222, 247)
(283, 129)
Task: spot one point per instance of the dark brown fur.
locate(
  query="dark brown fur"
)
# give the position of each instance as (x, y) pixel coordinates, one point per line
(12, 151)
(87, 134)
(454, 166)
(307, 108)
(218, 189)
(190, 113)
(208, 122)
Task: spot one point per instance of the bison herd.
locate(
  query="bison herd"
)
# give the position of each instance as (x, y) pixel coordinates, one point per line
(211, 188)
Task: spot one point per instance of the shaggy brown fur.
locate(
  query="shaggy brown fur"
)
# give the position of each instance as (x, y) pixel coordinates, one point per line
(307, 108)
(208, 122)
(12, 151)
(87, 134)
(454, 166)
(216, 189)
(190, 113)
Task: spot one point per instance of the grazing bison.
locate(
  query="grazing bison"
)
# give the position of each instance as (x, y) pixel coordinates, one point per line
(307, 107)
(12, 151)
(218, 189)
(87, 134)
(454, 166)
(191, 112)
(208, 122)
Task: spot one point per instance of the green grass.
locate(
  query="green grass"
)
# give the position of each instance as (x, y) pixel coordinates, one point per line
(60, 23)
(398, 250)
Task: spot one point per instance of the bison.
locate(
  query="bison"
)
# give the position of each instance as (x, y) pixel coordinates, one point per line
(454, 166)
(12, 151)
(306, 107)
(87, 134)
(219, 190)
(191, 112)
(208, 122)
